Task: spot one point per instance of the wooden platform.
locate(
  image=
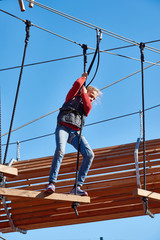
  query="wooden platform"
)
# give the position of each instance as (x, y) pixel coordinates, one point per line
(110, 184)
(27, 194)
(148, 194)
(8, 171)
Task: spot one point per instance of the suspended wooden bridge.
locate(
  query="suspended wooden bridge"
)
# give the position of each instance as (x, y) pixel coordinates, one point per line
(110, 183)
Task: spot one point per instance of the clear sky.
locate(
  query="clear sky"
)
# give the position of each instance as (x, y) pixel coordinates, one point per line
(44, 87)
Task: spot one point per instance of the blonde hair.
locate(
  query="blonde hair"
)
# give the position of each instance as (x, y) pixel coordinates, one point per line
(91, 88)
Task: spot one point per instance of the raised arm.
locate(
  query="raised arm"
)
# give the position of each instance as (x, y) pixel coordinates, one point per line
(76, 87)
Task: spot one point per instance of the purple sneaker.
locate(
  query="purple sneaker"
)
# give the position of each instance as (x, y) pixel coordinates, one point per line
(50, 188)
(80, 192)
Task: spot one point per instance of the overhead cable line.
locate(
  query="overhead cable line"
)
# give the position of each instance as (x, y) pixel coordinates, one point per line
(91, 25)
(67, 39)
(32, 24)
(13, 15)
(24, 125)
(106, 51)
(111, 84)
(95, 27)
(101, 89)
(83, 22)
(76, 56)
(87, 125)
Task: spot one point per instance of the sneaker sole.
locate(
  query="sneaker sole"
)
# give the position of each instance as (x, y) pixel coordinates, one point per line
(49, 191)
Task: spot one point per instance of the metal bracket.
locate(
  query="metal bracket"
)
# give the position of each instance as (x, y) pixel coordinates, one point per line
(136, 162)
(74, 206)
(144, 199)
(145, 205)
(3, 183)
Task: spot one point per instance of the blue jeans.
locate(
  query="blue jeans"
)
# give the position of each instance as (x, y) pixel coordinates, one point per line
(64, 135)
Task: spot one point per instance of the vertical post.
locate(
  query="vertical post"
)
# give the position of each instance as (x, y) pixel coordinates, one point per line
(101, 238)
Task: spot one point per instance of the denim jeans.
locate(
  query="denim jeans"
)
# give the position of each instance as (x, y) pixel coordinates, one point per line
(64, 135)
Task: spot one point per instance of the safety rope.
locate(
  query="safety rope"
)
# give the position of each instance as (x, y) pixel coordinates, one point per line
(80, 55)
(153, 64)
(95, 27)
(87, 125)
(28, 24)
(99, 38)
(101, 89)
(105, 51)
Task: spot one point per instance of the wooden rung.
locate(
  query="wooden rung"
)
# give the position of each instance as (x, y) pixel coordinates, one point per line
(21, 4)
(8, 171)
(34, 194)
(148, 194)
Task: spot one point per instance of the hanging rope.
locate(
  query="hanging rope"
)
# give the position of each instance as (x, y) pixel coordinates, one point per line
(144, 199)
(99, 38)
(28, 24)
(76, 204)
(142, 46)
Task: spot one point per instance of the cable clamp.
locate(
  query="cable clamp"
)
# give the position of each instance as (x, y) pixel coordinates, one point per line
(142, 46)
(28, 25)
(145, 204)
(74, 206)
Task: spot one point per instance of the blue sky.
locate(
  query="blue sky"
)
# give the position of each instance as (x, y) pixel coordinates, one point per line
(43, 89)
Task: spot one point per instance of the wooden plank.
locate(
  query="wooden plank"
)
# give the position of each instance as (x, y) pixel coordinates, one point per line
(8, 171)
(148, 194)
(34, 194)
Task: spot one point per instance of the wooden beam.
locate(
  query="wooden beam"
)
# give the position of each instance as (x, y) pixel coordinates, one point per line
(21, 4)
(34, 194)
(8, 171)
(148, 194)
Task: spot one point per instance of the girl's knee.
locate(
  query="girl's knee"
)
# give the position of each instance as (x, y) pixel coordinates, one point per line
(89, 154)
(59, 153)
